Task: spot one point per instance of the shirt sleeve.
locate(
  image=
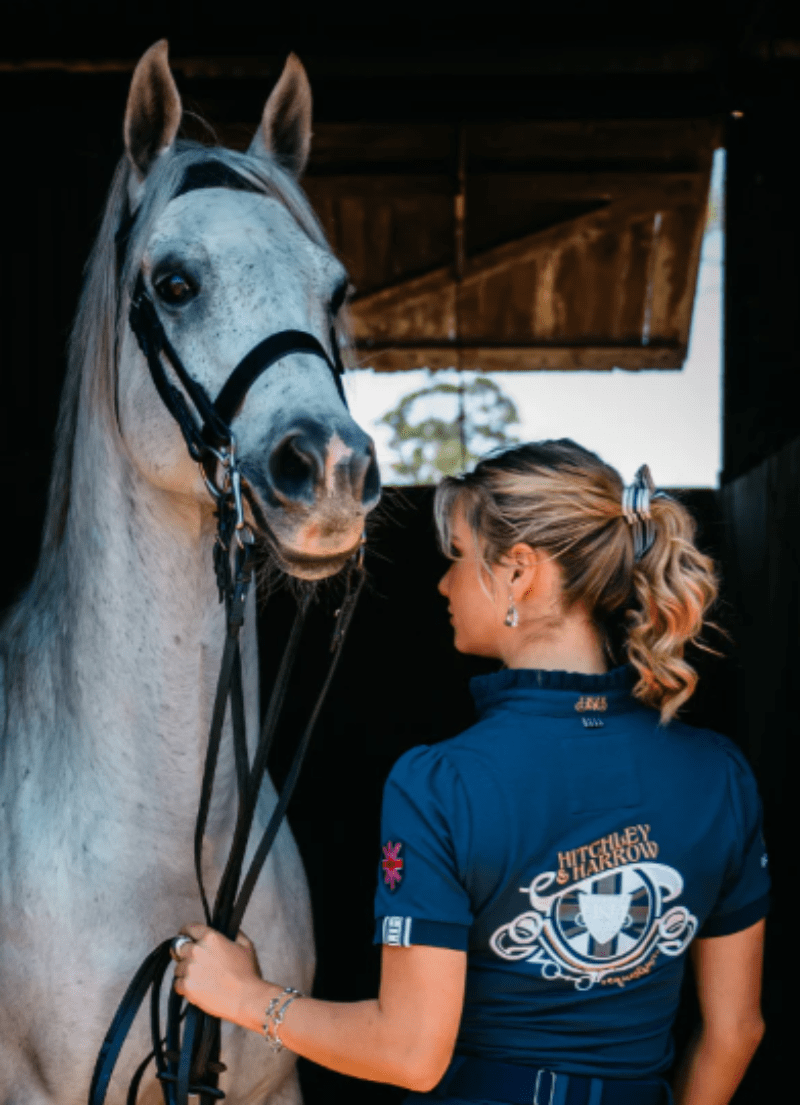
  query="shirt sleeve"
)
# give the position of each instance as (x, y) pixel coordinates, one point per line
(425, 824)
(744, 896)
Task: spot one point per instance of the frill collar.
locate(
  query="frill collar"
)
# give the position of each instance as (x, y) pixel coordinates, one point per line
(554, 693)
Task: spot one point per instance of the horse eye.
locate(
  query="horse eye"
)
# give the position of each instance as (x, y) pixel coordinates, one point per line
(175, 289)
(339, 297)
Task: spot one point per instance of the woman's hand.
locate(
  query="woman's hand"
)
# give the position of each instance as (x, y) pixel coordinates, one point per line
(405, 1037)
(215, 973)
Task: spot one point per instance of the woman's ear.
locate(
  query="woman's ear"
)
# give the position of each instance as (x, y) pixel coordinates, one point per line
(524, 563)
(522, 558)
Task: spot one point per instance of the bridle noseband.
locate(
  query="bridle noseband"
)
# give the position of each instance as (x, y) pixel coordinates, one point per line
(187, 1056)
(214, 442)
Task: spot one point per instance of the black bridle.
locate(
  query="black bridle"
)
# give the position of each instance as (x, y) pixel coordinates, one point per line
(146, 325)
(187, 1055)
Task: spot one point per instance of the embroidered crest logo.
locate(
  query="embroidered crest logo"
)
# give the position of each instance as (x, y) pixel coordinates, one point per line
(604, 917)
(392, 864)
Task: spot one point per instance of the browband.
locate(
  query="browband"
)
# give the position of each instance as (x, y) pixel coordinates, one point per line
(213, 174)
(203, 174)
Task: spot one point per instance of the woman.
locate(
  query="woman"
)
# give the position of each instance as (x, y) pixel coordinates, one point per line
(545, 873)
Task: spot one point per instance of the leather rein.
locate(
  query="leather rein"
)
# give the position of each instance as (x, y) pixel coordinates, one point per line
(187, 1054)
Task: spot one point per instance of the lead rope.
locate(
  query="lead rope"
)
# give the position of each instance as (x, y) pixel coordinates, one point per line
(188, 1062)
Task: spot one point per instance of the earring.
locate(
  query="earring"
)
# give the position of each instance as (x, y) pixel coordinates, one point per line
(512, 615)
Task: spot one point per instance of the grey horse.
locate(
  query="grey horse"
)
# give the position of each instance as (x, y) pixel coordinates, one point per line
(110, 658)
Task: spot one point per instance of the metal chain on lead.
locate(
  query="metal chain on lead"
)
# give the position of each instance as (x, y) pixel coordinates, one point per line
(231, 525)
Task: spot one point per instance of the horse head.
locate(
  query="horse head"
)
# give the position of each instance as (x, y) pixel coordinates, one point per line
(225, 266)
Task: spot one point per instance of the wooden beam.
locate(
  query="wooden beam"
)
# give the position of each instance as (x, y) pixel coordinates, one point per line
(385, 357)
(376, 185)
(556, 60)
(660, 188)
(245, 67)
(544, 185)
(659, 145)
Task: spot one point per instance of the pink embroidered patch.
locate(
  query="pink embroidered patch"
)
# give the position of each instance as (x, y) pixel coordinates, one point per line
(392, 866)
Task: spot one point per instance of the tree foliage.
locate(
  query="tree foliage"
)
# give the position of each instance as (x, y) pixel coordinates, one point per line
(426, 427)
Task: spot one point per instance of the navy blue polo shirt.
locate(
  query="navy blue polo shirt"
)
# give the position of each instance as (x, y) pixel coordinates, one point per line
(573, 847)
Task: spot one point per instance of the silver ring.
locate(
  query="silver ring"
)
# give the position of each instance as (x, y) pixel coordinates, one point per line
(176, 944)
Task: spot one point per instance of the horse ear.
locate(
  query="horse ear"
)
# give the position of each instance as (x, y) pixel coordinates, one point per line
(154, 110)
(285, 131)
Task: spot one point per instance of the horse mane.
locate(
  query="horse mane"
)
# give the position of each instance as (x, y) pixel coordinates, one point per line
(91, 378)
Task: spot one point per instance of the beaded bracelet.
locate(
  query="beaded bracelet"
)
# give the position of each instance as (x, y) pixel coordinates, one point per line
(274, 1040)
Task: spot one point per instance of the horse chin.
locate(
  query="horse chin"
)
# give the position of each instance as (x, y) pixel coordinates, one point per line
(312, 567)
(313, 546)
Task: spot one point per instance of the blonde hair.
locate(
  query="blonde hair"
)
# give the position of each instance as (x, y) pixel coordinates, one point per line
(560, 498)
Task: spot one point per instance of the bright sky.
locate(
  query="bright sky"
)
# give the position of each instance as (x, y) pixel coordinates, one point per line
(669, 420)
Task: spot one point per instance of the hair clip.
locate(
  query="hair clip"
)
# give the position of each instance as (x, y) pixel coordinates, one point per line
(636, 499)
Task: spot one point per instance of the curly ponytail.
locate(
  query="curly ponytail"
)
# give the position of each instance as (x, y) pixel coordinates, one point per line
(559, 497)
(674, 585)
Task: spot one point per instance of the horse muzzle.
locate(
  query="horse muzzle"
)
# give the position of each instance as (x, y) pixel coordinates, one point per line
(310, 493)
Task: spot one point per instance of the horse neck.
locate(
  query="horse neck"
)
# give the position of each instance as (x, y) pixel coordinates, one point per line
(143, 633)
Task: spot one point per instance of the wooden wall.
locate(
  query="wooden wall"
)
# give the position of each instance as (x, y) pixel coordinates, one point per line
(760, 494)
(517, 245)
(762, 319)
(760, 513)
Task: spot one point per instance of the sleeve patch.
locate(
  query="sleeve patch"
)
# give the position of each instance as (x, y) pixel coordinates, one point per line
(397, 932)
(407, 932)
(392, 865)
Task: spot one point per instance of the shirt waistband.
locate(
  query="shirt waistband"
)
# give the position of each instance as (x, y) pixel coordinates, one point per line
(488, 1080)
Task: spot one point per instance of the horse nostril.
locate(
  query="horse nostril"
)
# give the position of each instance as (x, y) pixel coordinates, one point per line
(371, 489)
(295, 467)
(311, 460)
(363, 476)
